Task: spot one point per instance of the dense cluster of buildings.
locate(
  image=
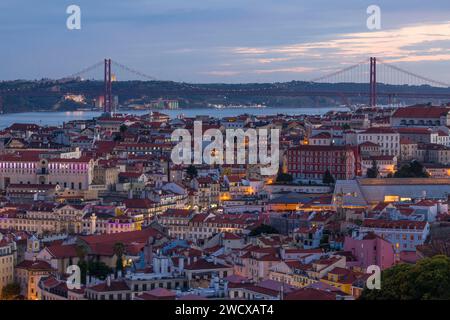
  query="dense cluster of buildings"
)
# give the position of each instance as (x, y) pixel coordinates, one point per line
(104, 195)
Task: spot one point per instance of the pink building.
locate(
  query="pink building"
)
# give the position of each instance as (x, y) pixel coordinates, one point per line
(370, 249)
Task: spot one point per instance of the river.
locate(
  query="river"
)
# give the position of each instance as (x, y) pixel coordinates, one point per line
(58, 118)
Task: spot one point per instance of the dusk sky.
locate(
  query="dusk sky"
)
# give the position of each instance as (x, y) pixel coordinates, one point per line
(222, 40)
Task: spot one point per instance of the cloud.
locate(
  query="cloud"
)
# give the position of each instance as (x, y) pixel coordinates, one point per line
(289, 70)
(229, 73)
(392, 45)
(271, 60)
(224, 73)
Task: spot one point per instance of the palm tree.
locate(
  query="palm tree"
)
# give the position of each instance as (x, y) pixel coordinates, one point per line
(81, 252)
(119, 250)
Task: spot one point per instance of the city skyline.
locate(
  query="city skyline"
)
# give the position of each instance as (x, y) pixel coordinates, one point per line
(223, 41)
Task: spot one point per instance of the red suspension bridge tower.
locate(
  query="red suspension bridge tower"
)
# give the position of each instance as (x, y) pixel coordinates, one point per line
(108, 103)
(373, 81)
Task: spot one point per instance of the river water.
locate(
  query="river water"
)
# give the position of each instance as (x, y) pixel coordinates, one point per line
(58, 118)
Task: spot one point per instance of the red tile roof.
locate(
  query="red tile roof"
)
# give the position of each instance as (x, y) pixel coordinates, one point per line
(310, 294)
(157, 294)
(421, 111)
(34, 265)
(119, 285)
(394, 224)
(59, 251)
(202, 264)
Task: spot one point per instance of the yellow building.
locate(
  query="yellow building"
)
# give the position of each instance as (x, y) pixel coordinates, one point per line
(28, 274)
(7, 261)
(342, 279)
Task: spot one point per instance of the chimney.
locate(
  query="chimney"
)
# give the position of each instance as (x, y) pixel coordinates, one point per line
(164, 265)
(108, 281)
(156, 265)
(181, 264)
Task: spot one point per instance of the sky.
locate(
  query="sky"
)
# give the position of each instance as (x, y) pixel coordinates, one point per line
(230, 41)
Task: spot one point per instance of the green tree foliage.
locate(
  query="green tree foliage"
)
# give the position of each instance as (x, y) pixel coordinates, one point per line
(98, 269)
(412, 170)
(428, 279)
(119, 250)
(81, 252)
(345, 126)
(123, 128)
(284, 177)
(263, 228)
(328, 178)
(373, 171)
(191, 172)
(83, 265)
(11, 291)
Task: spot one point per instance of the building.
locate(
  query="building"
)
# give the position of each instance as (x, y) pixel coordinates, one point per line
(387, 138)
(28, 274)
(200, 272)
(7, 261)
(421, 115)
(385, 164)
(405, 235)
(369, 249)
(28, 167)
(52, 288)
(364, 191)
(311, 162)
(177, 222)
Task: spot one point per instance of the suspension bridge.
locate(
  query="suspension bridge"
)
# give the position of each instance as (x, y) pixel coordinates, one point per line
(372, 79)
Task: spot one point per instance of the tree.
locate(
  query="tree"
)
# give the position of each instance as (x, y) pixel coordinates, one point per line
(428, 279)
(412, 170)
(119, 250)
(81, 252)
(418, 170)
(328, 178)
(191, 172)
(263, 228)
(123, 128)
(11, 291)
(99, 269)
(284, 177)
(373, 171)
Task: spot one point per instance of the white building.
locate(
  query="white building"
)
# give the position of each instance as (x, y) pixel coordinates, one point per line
(421, 115)
(387, 138)
(30, 168)
(405, 235)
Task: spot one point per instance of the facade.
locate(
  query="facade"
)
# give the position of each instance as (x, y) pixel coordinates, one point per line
(387, 139)
(311, 162)
(405, 235)
(370, 249)
(8, 260)
(386, 165)
(30, 168)
(28, 274)
(421, 116)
